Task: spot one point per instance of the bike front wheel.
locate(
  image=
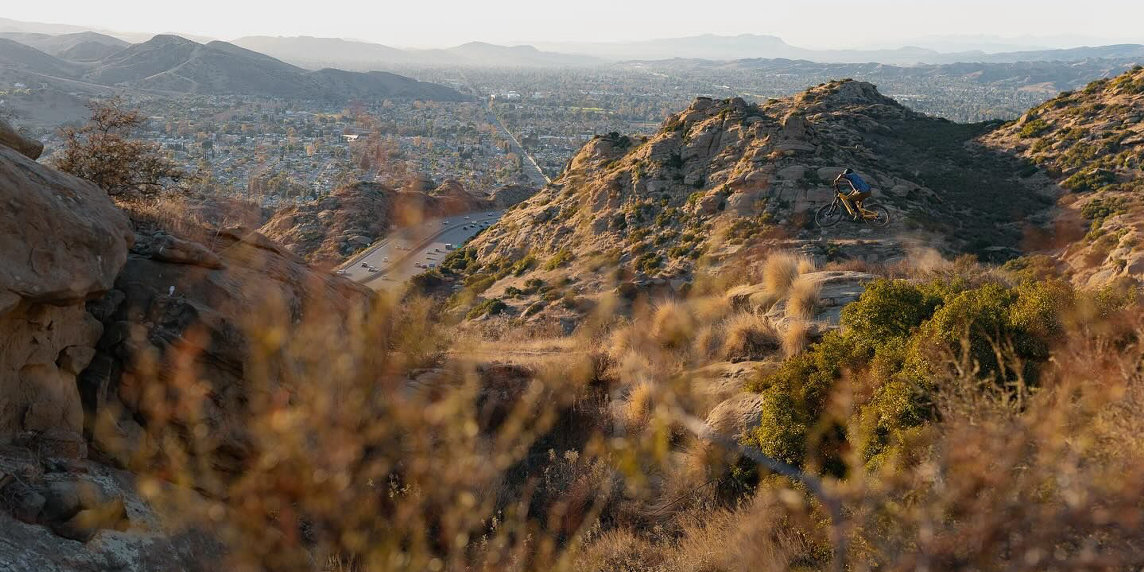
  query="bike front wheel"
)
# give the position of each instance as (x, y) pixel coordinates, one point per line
(881, 218)
(828, 215)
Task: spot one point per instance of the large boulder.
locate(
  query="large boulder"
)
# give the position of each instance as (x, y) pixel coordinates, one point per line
(62, 242)
(171, 317)
(89, 517)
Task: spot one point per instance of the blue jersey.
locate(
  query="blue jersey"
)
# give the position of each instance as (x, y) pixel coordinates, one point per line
(857, 181)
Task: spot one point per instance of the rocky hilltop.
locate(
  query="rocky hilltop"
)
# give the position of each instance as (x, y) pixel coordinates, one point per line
(1090, 144)
(329, 230)
(724, 175)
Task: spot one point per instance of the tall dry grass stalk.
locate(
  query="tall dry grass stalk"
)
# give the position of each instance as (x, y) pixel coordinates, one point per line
(803, 298)
(795, 337)
(779, 272)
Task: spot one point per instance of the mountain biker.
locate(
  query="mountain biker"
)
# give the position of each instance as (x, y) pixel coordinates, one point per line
(860, 187)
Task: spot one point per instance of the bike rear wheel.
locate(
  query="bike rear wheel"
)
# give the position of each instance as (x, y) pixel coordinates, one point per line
(882, 220)
(828, 215)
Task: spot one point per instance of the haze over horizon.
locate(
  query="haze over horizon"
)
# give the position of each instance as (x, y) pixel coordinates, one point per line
(817, 24)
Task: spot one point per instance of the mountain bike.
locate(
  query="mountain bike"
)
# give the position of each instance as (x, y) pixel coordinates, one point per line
(872, 214)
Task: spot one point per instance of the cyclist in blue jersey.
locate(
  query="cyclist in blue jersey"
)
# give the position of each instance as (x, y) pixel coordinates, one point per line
(860, 187)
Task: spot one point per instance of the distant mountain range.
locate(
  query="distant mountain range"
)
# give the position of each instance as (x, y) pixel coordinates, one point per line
(78, 47)
(174, 64)
(751, 46)
(76, 43)
(348, 54)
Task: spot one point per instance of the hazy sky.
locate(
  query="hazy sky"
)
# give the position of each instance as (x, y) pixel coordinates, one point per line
(440, 23)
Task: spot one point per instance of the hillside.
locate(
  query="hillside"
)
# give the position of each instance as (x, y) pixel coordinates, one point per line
(327, 231)
(1091, 144)
(174, 64)
(18, 57)
(77, 47)
(723, 176)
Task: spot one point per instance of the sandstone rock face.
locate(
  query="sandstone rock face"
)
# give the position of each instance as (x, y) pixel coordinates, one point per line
(62, 241)
(511, 195)
(193, 316)
(737, 416)
(88, 517)
(11, 138)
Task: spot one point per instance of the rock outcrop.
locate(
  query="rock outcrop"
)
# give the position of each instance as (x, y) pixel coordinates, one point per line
(62, 242)
(11, 138)
(79, 516)
(180, 309)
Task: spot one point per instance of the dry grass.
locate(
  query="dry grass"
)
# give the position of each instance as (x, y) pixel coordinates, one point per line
(190, 218)
(748, 336)
(672, 324)
(384, 442)
(803, 299)
(779, 272)
(795, 338)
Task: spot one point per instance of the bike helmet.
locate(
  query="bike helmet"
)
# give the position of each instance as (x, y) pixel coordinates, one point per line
(848, 171)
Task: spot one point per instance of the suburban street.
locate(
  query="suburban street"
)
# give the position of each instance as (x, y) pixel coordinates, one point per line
(531, 169)
(408, 251)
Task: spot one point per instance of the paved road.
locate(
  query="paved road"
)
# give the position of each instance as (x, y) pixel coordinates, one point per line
(397, 257)
(531, 169)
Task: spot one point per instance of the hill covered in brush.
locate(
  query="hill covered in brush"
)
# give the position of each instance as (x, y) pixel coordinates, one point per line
(1091, 144)
(724, 176)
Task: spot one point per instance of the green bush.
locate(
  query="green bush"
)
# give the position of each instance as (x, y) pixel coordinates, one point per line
(491, 307)
(480, 282)
(1034, 128)
(561, 258)
(902, 337)
(889, 309)
(523, 265)
(1090, 180)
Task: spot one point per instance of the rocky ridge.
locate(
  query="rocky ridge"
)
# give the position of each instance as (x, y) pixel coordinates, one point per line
(724, 176)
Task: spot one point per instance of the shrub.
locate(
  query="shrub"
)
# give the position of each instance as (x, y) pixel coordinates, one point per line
(480, 282)
(561, 258)
(1034, 128)
(649, 261)
(1089, 180)
(104, 153)
(490, 307)
(523, 265)
(889, 309)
